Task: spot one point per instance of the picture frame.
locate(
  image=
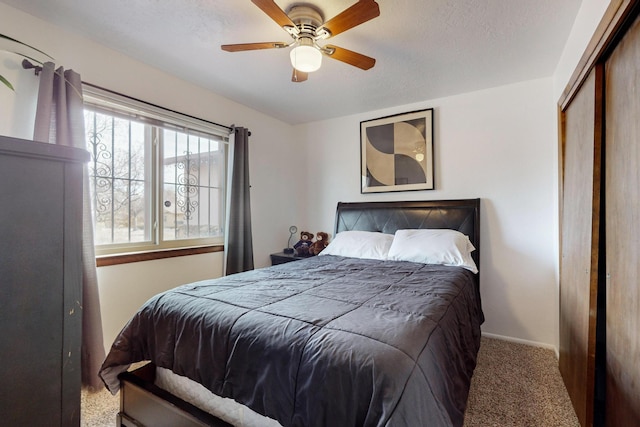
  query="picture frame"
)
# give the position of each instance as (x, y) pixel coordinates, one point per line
(396, 152)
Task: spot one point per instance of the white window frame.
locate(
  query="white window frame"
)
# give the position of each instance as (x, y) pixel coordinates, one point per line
(108, 101)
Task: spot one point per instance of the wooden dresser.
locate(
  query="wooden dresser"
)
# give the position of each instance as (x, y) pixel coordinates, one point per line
(40, 283)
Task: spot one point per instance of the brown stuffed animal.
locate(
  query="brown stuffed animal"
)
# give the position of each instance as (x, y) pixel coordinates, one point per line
(304, 244)
(322, 240)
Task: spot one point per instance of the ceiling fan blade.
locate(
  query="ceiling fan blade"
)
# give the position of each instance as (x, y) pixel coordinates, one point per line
(273, 10)
(252, 46)
(355, 15)
(348, 56)
(299, 76)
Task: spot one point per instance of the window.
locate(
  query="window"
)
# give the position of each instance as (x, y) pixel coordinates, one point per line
(157, 178)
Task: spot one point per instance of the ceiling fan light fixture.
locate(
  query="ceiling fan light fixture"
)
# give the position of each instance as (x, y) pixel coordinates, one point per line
(306, 57)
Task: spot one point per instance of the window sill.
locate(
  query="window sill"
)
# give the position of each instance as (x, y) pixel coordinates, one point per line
(107, 260)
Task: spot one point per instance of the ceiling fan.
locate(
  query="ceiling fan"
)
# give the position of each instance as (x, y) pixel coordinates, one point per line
(305, 24)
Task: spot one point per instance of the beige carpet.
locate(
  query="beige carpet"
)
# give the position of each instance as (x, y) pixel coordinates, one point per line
(513, 385)
(517, 385)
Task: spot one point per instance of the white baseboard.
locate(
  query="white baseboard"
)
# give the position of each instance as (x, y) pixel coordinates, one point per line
(521, 341)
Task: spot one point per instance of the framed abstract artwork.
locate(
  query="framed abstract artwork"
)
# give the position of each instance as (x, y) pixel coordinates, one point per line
(396, 152)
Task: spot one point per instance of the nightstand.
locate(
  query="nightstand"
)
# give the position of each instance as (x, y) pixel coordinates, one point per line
(281, 258)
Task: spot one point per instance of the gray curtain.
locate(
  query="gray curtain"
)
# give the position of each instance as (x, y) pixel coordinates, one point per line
(238, 239)
(60, 120)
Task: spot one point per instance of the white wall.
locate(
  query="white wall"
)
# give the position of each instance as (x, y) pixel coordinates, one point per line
(497, 144)
(273, 150)
(17, 107)
(124, 288)
(587, 20)
(500, 145)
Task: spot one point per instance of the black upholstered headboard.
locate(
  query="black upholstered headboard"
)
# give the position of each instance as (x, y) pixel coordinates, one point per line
(387, 217)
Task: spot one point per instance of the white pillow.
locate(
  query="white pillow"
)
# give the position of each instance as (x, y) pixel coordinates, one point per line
(360, 244)
(433, 246)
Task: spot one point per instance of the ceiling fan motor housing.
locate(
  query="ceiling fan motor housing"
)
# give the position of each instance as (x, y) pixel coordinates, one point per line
(307, 19)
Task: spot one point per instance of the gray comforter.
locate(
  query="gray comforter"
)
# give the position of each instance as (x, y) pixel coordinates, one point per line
(327, 341)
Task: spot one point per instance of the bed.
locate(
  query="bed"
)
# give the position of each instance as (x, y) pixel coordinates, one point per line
(333, 340)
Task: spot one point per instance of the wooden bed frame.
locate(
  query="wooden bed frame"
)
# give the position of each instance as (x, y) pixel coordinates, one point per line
(142, 403)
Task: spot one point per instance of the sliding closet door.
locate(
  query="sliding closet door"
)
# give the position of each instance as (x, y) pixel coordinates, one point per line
(579, 244)
(623, 231)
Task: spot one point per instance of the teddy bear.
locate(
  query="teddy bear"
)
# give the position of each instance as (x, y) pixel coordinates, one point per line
(303, 245)
(322, 240)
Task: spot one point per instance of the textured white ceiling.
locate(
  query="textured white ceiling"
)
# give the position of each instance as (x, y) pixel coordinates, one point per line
(424, 49)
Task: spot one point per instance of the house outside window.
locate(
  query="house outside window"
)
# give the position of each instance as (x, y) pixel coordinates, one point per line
(157, 178)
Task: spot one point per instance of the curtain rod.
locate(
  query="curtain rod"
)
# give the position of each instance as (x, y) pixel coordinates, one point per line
(27, 65)
(229, 128)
